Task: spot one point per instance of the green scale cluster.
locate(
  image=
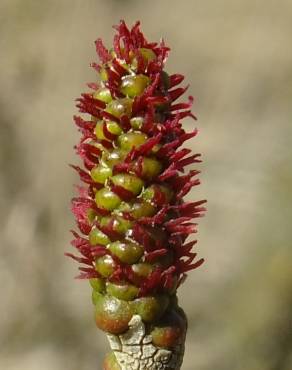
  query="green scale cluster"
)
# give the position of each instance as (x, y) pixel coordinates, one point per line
(116, 302)
(131, 210)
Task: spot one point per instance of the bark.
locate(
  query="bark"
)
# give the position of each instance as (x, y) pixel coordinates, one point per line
(134, 350)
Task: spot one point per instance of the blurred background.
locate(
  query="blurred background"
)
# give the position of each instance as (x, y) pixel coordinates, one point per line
(237, 57)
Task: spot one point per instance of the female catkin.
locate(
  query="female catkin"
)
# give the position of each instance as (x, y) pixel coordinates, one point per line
(132, 219)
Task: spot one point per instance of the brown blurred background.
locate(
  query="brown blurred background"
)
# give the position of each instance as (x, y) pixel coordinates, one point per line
(237, 55)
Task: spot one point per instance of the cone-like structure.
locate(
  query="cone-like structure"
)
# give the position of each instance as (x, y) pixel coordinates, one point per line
(132, 218)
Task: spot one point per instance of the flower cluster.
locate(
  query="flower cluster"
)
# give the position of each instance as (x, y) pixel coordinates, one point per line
(133, 221)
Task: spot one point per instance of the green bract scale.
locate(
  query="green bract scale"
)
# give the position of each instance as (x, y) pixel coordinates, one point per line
(105, 265)
(96, 237)
(131, 139)
(100, 173)
(131, 214)
(119, 107)
(129, 182)
(103, 94)
(117, 223)
(133, 86)
(107, 199)
(138, 209)
(126, 251)
(126, 292)
(113, 157)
